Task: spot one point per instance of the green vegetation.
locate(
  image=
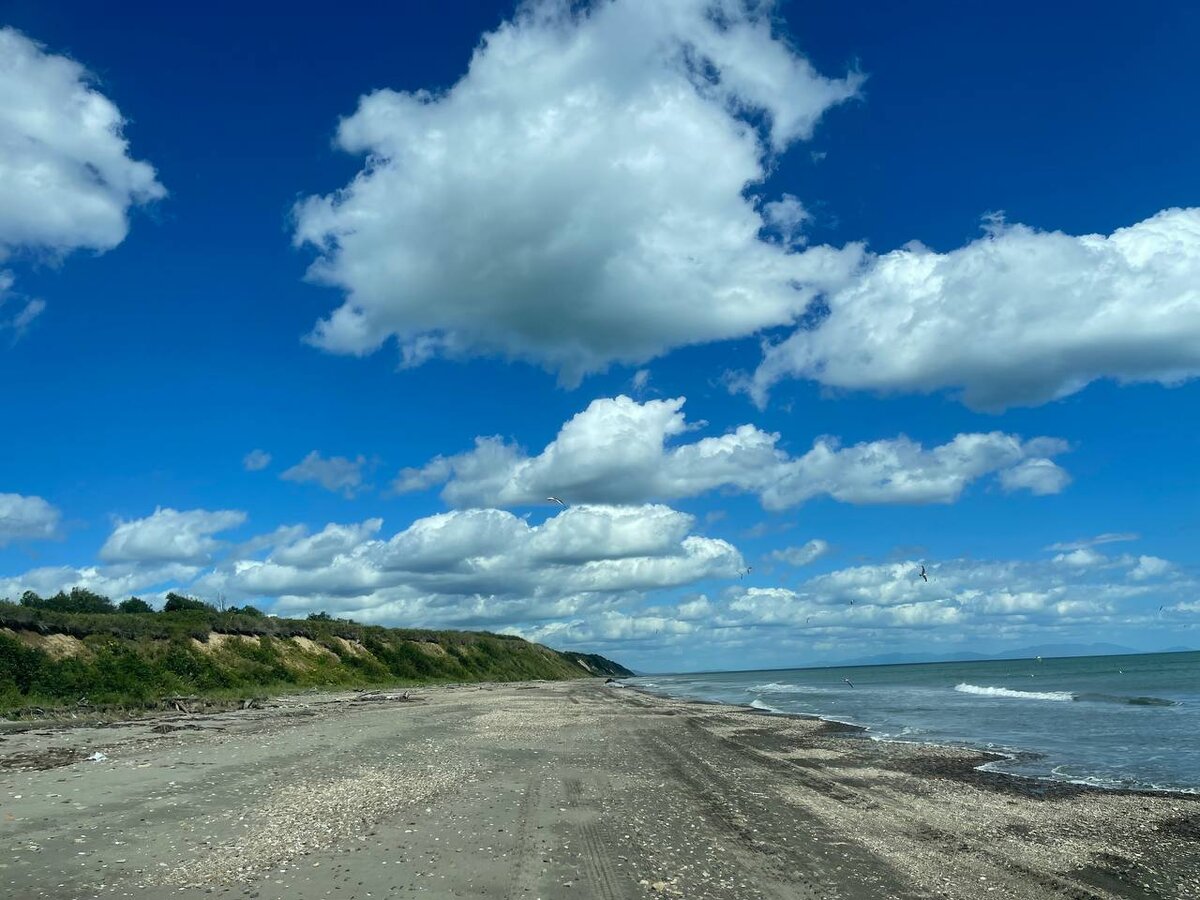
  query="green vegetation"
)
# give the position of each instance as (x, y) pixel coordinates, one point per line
(78, 647)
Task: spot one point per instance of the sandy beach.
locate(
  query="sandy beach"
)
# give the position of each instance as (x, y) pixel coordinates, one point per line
(553, 790)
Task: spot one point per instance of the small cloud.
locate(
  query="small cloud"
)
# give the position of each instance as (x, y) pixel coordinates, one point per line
(334, 474)
(787, 217)
(1150, 567)
(25, 317)
(1083, 558)
(802, 555)
(21, 321)
(27, 518)
(256, 460)
(1038, 476)
(641, 378)
(1106, 538)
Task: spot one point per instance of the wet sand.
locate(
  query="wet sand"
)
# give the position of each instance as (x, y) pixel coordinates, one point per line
(554, 790)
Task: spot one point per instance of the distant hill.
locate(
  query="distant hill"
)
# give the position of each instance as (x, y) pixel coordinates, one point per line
(597, 664)
(54, 658)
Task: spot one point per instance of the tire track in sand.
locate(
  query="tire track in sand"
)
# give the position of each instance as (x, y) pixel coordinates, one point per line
(522, 851)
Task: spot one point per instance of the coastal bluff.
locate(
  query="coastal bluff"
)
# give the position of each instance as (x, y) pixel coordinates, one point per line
(53, 659)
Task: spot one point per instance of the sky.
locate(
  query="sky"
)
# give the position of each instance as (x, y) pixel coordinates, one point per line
(781, 301)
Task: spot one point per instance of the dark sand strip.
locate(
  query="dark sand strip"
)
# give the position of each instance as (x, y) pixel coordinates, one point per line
(555, 790)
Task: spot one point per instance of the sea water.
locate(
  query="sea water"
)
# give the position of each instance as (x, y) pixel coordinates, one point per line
(1111, 721)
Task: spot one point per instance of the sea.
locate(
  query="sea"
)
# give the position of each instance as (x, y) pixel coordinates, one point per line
(1124, 722)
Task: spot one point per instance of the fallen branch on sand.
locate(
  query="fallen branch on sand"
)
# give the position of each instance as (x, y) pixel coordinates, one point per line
(369, 696)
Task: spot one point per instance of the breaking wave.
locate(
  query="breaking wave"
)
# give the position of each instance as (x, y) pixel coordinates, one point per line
(1015, 695)
(765, 707)
(1062, 695)
(774, 687)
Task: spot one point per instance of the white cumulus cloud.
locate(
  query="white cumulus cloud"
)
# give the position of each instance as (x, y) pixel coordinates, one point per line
(113, 581)
(806, 553)
(971, 597)
(1016, 318)
(337, 473)
(66, 178)
(580, 195)
(1038, 476)
(1151, 567)
(26, 518)
(1083, 558)
(618, 451)
(323, 547)
(483, 565)
(170, 535)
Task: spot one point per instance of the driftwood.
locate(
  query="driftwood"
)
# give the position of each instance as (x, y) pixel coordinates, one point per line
(369, 696)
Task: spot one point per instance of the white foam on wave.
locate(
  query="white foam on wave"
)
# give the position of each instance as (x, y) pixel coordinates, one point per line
(765, 707)
(774, 687)
(1015, 695)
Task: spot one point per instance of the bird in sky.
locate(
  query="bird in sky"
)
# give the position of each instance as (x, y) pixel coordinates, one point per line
(555, 500)
(923, 575)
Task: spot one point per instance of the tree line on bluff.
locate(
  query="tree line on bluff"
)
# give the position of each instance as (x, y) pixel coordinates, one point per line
(83, 600)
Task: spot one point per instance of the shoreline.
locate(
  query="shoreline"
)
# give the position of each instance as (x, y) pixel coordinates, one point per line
(556, 790)
(853, 729)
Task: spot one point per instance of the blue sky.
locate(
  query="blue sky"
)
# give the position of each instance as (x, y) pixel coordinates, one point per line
(685, 244)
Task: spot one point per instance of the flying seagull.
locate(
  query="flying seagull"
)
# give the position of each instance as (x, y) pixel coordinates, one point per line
(745, 572)
(555, 500)
(923, 575)
(848, 681)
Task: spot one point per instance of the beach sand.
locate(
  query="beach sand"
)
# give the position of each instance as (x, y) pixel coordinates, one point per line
(554, 790)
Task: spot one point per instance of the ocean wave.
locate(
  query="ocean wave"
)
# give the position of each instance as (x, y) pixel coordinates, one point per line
(765, 707)
(1015, 695)
(774, 687)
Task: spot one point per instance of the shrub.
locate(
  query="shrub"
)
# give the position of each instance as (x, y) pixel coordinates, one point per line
(79, 600)
(179, 603)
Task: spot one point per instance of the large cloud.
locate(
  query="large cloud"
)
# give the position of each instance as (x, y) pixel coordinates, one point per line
(1018, 317)
(872, 608)
(170, 535)
(26, 518)
(579, 196)
(617, 451)
(611, 578)
(66, 178)
(483, 564)
(971, 595)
